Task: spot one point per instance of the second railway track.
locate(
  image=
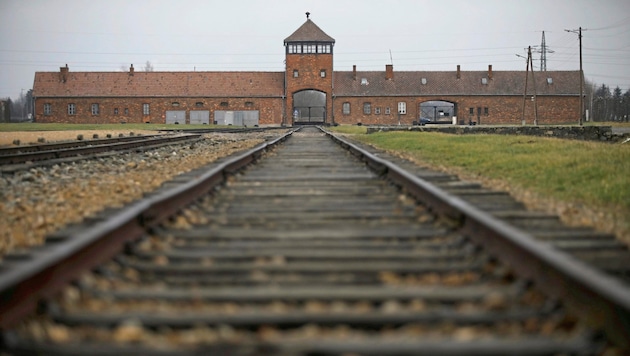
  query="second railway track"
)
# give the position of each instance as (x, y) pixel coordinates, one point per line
(311, 252)
(73, 149)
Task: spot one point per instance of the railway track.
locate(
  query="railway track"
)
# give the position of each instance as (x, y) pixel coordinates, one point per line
(72, 149)
(313, 250)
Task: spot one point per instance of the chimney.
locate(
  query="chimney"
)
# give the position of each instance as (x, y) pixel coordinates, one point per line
(389, 71)
(131, 70)
(459, 73)
(354, 72)
(63, 73)
(489, 71)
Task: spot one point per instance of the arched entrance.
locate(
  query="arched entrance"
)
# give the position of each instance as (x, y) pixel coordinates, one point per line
(309, 107)
(438, 111)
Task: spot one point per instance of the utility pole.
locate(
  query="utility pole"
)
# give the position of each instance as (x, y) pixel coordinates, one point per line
(579, 32)
(529, 62)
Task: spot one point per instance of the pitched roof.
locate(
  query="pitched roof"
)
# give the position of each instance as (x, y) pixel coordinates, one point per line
(446, 83)
(152, 84)
(309, 32)
(271, 84)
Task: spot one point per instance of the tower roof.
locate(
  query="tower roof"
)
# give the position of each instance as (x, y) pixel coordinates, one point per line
(309, 32)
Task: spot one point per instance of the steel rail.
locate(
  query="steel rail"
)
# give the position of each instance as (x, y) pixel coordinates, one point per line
(91, 147)
(602, 301)
(23, 284)
(68, 144)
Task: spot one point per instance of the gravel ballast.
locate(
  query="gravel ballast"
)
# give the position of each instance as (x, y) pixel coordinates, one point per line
(41, 200)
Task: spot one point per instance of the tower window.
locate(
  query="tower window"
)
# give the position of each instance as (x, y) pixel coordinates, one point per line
(309, 48)
(294, 48)
(323, 48)
(322, 73)
(296, 73)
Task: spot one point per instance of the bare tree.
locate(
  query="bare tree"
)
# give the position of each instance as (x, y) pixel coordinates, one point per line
(148, 67)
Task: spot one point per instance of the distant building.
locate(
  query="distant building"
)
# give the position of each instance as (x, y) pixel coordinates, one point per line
(308, 91)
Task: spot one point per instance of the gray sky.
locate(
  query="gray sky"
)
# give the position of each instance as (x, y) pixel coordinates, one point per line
(247, 35)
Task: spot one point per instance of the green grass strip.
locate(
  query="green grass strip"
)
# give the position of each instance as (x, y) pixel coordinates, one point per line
(592, 174)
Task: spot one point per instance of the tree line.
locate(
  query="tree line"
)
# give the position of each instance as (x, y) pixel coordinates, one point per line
(609, 105)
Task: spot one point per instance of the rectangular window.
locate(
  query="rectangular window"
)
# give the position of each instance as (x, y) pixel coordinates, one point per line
(388, 111)
(126, 111)
(485, 111)
(471, 111)
(296, 73)
(295, 48)
(367, 108)
(115, 111)
(145, 109)
(47, 109)
(402, 108)
(346, 108)
(94, 109)
(377, 110)
(71, 109)
(322, 73)
(323, 48)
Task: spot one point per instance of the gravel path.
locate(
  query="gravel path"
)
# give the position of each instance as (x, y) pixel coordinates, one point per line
(7, 139)
(41, 200)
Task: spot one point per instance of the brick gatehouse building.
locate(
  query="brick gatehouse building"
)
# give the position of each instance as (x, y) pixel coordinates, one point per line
(308, 91)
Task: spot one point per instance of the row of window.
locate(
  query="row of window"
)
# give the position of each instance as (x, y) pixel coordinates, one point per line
(471, 111)
(367, 109)
(298, 48)
(322, 73)
(95, 109)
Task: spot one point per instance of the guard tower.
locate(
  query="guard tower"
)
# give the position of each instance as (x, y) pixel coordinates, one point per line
(309, 75)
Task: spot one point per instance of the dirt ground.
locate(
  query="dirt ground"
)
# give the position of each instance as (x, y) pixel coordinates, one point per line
(31, 137)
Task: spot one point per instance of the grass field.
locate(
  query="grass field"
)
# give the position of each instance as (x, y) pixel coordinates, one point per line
(581, 173)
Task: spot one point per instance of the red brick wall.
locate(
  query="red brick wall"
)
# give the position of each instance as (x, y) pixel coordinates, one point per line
(309, 67)
(270, 109)
(501, 109)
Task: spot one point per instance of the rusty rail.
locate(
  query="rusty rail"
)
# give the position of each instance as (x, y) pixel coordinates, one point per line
(23, 285)
(603, 301)
(17, 155)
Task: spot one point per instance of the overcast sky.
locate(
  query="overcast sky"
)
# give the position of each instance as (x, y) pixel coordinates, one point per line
(247, 35)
